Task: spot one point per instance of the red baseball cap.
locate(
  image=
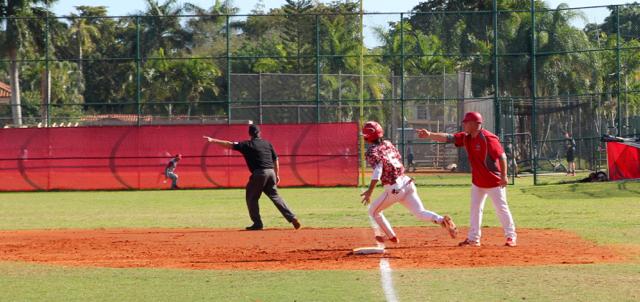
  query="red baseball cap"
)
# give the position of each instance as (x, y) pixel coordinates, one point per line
(473, 116)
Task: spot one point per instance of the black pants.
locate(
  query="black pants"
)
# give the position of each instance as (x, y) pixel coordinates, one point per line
(264, 181)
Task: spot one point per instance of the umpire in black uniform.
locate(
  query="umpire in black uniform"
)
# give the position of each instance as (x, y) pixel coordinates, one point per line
(263, 163)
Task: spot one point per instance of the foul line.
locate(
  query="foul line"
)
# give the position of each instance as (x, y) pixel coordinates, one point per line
(386, 273)
(387, 280)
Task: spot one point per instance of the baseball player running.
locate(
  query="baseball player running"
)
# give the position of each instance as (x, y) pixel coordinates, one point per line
(170, 171)
(488, 174)
(387, 166)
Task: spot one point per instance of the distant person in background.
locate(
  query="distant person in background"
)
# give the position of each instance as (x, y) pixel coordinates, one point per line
(511, 155)
(571, 149)
(410, 158)
(170, 171)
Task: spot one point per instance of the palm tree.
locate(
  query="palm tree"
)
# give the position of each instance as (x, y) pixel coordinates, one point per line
(419, 47)
(208, 30)
(184, 80)
(84, 30)
(342, 39)
(563, 73)
(18, 36)
(161, 28)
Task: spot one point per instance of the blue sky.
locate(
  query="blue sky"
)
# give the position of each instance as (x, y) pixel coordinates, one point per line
(125, 7)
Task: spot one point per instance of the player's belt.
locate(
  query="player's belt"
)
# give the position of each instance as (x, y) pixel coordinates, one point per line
(396, 191)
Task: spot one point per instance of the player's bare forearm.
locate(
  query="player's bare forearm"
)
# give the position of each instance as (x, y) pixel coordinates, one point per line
(372, 185)
(366, 195)
(434, 136)
(219, 142)
(503, 165)
(503, 170)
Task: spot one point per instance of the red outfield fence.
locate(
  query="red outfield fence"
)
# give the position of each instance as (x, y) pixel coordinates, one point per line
(114, 158)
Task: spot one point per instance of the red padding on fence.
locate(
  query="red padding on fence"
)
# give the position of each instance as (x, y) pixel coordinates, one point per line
(113, 158)
(624, 160)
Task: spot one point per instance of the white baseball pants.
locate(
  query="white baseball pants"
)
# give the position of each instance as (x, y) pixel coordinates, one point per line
(404, 192)
(499, 197)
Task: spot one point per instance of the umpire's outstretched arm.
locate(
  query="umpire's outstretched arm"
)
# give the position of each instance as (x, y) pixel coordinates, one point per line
(219, 142)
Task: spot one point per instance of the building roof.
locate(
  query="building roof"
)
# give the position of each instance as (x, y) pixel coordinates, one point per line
(5, 90)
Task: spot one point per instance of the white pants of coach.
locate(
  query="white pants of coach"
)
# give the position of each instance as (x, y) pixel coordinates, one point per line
(499, 197)
(407, 195)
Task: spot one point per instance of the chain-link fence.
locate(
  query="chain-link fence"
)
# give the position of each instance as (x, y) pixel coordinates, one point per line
(311, 64)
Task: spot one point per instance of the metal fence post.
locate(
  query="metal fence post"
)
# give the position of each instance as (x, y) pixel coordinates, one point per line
(317, 69)
(618, 97)
(514, 149)
(340, 96)
(361, 122)
(47, 75)
(260, 97)
(534, 136)
(402, 84)
(496, 99)
(138, 84)
(47, 80)
(228, 32)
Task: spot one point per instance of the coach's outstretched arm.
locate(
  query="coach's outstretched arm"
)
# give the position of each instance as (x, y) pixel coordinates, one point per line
(435, 136)
(219, 142)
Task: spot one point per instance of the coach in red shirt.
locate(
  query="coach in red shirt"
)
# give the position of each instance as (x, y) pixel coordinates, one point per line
(488, 174)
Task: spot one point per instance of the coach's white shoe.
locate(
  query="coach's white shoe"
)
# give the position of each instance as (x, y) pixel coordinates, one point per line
(468, 242)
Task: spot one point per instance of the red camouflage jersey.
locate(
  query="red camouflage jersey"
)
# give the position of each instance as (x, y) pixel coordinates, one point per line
(391, 160)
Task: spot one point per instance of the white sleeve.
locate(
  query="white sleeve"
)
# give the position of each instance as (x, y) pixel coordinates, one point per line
(377, 172)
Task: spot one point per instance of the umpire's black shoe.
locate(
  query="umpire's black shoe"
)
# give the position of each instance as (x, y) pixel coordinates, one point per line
(254, 227)
(296, 223)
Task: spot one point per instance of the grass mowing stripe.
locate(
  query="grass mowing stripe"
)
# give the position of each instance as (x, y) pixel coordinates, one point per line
(28, 282)
(611, 282)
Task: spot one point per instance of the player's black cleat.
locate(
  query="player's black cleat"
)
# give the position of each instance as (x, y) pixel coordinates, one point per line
(254, 227)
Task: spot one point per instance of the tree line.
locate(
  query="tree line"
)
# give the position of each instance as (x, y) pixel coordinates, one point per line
(182, 68)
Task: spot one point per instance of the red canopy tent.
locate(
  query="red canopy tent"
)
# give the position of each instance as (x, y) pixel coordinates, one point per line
(624, 160)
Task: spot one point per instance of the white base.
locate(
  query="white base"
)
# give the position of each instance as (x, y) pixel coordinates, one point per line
(368, 250)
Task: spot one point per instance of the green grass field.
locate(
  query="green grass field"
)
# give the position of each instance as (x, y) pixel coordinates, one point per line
(606, 213)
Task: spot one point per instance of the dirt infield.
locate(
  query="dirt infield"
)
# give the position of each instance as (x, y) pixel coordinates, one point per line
(284, 249)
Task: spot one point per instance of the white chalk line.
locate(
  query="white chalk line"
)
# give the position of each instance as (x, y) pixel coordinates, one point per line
(386, 273)
(386, 277)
